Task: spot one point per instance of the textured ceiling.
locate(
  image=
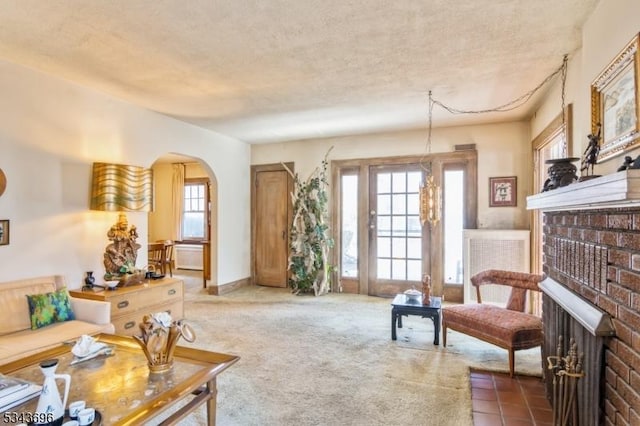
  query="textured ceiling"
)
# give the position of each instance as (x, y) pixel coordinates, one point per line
(275, 70)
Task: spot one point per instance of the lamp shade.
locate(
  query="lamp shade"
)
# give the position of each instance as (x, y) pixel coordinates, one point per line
(121, 188)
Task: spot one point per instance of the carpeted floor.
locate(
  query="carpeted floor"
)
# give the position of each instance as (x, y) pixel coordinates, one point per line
(330, 360)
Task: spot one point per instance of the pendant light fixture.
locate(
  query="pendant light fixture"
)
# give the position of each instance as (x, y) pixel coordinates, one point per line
(430, 192)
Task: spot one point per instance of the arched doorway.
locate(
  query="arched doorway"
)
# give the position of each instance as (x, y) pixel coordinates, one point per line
(185, 211)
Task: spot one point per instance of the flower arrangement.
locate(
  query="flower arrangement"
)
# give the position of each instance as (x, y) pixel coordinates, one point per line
(160, 335)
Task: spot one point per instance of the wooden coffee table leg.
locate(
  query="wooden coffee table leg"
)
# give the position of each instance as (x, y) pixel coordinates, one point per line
(211, 403)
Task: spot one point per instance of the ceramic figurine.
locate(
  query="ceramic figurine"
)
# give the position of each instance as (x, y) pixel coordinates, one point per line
(426, 289)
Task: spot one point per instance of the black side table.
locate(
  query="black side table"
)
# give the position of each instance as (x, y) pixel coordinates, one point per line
(404, 306)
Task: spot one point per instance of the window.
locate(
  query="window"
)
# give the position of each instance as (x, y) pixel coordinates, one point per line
(195, 212)
(349, 225)
(453, 217)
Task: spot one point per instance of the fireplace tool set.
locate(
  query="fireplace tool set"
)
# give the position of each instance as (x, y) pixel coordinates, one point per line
(567, 371)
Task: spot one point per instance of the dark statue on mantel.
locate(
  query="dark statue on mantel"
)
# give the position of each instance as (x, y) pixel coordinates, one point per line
(630, 164)
(590, 156)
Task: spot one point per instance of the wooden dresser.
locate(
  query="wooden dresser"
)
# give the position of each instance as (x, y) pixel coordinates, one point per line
(130, 304)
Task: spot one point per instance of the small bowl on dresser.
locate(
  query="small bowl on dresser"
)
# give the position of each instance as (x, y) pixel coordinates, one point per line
(111, 284)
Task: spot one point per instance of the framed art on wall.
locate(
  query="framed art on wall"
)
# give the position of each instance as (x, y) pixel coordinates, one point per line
(503, 191)
(614, 103)
(4, 232)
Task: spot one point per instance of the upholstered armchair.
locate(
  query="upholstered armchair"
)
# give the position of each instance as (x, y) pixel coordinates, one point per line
(510, 327)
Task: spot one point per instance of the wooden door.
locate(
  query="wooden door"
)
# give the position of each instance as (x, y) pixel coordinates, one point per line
(271, 228)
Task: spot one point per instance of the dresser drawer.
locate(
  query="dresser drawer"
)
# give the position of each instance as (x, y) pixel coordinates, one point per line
(127, 325)
(121, 304)
(164, 293)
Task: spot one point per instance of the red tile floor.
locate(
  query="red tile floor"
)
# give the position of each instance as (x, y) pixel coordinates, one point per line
(498, 399)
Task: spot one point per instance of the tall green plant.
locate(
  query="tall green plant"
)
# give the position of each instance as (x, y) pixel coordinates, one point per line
(309, 237)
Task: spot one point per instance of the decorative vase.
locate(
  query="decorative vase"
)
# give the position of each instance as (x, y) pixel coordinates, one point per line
(562, 172)
(50, 402)
(89, 280)
(159, 338)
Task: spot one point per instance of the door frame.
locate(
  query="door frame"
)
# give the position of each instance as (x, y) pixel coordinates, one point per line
(439, 162)
(255, 169)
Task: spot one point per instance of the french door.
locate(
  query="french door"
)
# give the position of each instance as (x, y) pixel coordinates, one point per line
(397, 241)
(381, 247)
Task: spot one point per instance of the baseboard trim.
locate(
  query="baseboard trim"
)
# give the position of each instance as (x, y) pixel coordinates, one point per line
(221, 289)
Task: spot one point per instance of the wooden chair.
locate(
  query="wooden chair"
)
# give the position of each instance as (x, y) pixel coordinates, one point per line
(156, 256)
(510, 327)
(167, 259)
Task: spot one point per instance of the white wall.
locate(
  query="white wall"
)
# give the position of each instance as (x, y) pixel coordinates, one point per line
(51, 131)
(609, 28)
(503, 150)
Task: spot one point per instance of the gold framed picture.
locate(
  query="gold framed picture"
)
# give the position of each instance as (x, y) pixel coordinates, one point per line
(503, 191)
(614, 103)
(4, 232)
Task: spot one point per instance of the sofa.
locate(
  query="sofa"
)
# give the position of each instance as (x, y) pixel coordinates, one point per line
(18, 339)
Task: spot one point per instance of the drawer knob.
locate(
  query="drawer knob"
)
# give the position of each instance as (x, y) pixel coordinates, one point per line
(129, 325)
(123, 304)
(171, 292)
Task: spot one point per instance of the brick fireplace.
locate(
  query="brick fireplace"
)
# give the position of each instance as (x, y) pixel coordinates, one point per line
(592, 249)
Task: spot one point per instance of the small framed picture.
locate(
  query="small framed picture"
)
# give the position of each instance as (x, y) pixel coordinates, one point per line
(4, 232)
(503, 191)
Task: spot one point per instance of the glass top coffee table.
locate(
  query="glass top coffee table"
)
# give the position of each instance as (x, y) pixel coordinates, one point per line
(121, 387)
(402, 305)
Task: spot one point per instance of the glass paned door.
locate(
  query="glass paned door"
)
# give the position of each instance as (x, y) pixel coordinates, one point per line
(396, 240)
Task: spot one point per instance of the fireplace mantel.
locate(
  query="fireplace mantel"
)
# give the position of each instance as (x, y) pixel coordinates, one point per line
(620, 189)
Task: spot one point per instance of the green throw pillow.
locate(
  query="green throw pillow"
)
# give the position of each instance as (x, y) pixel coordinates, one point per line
(48, 308)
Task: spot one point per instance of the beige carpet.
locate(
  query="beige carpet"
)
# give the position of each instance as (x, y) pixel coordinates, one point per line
(330, 360)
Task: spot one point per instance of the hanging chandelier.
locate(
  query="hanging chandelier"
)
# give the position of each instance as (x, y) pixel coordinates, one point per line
(430, 192)
(430, 201)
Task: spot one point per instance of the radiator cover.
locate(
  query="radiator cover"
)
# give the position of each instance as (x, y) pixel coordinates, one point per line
(188, 256)
(506, 249)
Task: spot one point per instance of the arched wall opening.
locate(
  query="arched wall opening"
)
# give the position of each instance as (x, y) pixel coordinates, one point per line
(165, 224)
